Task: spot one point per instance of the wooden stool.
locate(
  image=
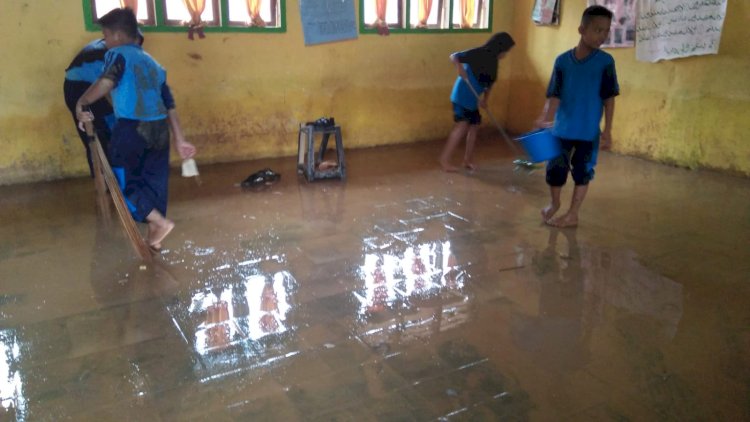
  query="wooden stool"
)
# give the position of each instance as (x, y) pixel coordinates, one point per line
(308, 161)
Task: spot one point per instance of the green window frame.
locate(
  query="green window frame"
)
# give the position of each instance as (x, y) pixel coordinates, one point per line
(403, 22)
(159, 23)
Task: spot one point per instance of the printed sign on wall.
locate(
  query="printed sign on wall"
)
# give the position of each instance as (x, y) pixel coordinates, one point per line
(328, 20)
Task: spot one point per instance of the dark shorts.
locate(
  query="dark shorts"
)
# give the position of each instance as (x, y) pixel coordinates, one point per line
(577, 158)
(461, 114)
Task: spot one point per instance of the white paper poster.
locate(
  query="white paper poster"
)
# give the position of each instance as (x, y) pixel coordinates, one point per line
(622, 32)
(670, 29)
(328, 20)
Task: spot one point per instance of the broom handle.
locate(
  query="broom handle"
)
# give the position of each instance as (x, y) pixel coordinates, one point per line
(99, 183)
(505, 136)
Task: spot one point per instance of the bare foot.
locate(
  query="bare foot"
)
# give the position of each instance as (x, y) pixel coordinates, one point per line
(157, 231)
(566, 221)
(548, 212)
(448, 168)
(470, 166)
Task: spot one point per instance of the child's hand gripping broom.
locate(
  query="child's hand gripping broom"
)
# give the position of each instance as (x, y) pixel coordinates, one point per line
(105, 179)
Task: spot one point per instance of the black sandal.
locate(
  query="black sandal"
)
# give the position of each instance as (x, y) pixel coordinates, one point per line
(261, 178)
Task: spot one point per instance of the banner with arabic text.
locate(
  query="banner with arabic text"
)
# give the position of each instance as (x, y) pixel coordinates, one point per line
(670, 29)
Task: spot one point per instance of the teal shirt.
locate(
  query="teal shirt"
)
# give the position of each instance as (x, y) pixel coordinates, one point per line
(582, 87)
(88, 64)
(140, 83)
(462, 94)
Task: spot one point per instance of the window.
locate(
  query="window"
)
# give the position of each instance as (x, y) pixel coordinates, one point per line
(425, 15)
(177, 13)
(217, 15)
(144, 11)
(239, 14)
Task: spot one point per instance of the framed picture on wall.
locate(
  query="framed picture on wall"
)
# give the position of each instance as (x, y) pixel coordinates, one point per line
(622, 32)
(546, 12)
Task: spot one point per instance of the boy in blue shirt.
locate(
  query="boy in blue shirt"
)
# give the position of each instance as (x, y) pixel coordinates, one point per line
(83, 71)
(477, 67)
(144, 109)
(582, 86)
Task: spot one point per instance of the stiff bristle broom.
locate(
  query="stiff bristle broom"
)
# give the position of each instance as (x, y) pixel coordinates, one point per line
(105, 179)
(521, 160)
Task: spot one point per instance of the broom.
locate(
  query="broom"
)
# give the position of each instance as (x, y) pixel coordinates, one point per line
(103, 179)
(519, 162)
(99, 184)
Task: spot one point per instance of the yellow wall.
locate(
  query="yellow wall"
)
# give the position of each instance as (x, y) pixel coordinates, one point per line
(242, 96)
(239, 96)
(691, 112)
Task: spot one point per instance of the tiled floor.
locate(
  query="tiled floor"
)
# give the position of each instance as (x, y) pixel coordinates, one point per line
(403, 294)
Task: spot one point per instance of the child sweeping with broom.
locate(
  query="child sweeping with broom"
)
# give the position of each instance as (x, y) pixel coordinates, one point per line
(477, 67)
(144, 108)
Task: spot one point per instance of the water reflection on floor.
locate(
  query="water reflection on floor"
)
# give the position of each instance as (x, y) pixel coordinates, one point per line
(403, 294)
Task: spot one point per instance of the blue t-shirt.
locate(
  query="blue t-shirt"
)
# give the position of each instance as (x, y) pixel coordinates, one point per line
(88, 64)
(582, 87)
(462, 94)
(140, 91)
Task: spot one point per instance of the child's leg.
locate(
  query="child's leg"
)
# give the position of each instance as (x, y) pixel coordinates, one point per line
(141, 150)
(471, 139)
(458, 132)
(582, 172)
(557, 175)
(549, 211)
(570, 218)
(155, 164)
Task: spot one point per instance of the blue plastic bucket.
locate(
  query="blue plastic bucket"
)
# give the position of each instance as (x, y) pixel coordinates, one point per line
(540, 145)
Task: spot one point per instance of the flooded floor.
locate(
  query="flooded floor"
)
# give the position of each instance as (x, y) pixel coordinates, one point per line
(404, 293)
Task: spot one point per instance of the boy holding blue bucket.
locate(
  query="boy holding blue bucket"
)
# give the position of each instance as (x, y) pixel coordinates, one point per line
(477, 67)
(582, 87)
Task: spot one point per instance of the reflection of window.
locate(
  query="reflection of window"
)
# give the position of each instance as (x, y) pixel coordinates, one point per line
(12, 396)
(420, 270)
(217, 16)
(228, 318)
(426, 15)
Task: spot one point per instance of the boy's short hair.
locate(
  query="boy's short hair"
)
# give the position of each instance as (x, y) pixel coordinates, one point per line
(595, 11)
(121, 20)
